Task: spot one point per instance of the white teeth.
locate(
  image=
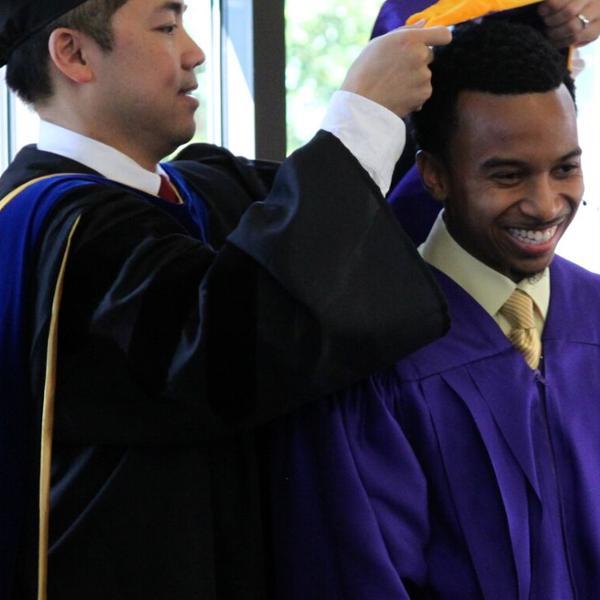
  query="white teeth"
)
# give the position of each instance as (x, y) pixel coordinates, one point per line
(530, 236)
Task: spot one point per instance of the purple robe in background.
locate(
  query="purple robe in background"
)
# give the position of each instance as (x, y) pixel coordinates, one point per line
(459, 474)
(394, 13)
(413, 206)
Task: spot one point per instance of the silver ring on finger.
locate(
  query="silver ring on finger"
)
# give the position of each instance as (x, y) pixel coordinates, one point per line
(583, 20)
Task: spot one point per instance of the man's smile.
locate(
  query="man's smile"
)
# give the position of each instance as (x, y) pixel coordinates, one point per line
(534, 236)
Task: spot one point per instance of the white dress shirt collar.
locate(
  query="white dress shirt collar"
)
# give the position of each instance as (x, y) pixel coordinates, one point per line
(371, 132)
(100, 157)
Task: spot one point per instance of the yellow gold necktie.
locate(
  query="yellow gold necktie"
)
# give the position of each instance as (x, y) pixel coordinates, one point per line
(518, 310)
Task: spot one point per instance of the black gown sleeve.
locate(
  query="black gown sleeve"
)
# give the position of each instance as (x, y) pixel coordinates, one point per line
(165, 340)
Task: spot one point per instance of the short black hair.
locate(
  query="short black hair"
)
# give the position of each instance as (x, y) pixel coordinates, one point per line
(27, 71)
(492, 56)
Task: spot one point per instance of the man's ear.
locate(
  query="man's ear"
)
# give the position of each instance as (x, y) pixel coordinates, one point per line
(434, 175)
(68, 49)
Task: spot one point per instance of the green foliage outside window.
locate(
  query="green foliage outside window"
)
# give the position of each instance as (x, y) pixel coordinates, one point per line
(323, 37)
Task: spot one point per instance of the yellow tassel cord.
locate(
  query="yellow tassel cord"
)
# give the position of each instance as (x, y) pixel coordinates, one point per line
(451, 12)
(47, 426)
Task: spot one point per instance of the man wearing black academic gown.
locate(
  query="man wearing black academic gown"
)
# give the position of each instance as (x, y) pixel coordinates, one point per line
(471, 469)
(146, 338)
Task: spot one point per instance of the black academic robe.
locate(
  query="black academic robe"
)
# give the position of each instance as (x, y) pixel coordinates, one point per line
(171, 352)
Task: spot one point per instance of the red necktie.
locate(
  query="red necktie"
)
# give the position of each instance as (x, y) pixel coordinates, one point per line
(167, 191)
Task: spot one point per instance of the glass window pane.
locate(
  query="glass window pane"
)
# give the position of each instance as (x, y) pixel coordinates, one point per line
(238, 77)
(322, 40)
(199, 22)
(4, 130)
(19, 123)
(581, 242)
(25, 124)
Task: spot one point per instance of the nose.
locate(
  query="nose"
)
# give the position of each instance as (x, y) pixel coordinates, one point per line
(544, 201)
(193, 56)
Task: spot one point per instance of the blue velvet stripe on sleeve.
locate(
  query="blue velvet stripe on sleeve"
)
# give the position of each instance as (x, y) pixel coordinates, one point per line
(192, 214)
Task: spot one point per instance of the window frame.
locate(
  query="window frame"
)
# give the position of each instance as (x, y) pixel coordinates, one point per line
(260, 41)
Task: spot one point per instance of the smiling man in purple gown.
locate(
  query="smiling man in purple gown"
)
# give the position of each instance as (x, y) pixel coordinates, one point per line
(472, 468)
(566, 23)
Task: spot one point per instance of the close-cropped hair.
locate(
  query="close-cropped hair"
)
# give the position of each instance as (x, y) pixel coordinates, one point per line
(493, 56)
(28, 69)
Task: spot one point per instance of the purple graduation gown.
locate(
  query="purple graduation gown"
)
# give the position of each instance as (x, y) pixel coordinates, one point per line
(413, 206)
(459, 474)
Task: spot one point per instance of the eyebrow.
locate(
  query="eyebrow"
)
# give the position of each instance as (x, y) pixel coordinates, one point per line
(494, 163)
(173, 6)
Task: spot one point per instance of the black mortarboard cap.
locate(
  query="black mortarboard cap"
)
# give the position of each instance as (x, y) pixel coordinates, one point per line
(20, 19)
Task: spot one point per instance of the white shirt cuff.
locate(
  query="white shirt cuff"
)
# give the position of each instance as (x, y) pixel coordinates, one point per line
(374, 134)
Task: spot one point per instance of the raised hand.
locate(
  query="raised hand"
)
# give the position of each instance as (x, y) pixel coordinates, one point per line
(393, 69)
(571, 22)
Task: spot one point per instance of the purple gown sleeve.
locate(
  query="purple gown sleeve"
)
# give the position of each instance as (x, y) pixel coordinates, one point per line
(349, 502)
